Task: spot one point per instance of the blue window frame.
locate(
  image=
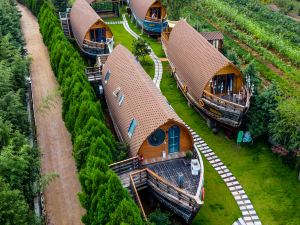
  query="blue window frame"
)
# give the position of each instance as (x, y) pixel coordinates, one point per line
(174, 139)
(131, 128)
(107, 75)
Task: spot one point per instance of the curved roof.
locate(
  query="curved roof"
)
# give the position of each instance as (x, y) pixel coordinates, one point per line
(141, 7)
(82, 17)
(195, 59)
(143, 101)
(210, 36)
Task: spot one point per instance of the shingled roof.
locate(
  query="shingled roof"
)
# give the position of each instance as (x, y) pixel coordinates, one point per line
(195, 59)
(141, 7)
(82, 17)
(210, 36)
(143, 101)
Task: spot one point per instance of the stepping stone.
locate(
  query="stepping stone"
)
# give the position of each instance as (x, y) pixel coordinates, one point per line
(244, 196)
(241, 221)
(249, 223)
(249, 207)
(257, 223)
(223, 167)
(240, 202)
(245, 213)
(247, 218)
(247, 201)
(242, 208)
(218, 168)
(252, 212)
(237, 197)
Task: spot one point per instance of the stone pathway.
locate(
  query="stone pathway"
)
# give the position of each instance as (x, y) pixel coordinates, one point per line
(156, 60)
(114, 22)
(249, 215)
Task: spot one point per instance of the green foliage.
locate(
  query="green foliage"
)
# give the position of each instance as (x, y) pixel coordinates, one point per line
(13, 208)
(285, 124)
(94, 147)
(159, 218)
(260, 113)
(140, 48)
(19, 163)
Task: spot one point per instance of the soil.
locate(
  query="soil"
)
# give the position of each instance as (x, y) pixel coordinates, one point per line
(61, 201)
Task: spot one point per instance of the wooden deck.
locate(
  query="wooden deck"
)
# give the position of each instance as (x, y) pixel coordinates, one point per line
(161, 175)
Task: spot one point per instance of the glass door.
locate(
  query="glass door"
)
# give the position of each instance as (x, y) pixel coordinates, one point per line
(174, 139)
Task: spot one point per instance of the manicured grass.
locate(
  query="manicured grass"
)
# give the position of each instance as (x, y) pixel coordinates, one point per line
(121, 36)
(154, 43)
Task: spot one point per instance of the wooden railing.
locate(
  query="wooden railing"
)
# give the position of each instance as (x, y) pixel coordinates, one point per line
(225, 103)
(165, 189)
(126, 165)
(136, 196)
(165, 37)
(197, 155)
(157, 20)
(93, 73)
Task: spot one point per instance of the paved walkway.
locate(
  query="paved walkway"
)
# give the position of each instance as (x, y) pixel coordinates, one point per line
(60, 197)
(158, 65)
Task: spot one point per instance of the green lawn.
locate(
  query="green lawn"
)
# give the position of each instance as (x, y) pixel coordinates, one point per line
(121, 36)
(271, 186)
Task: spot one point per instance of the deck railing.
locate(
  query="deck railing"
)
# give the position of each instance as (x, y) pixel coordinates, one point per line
(225, 103)
(93, 73)
(126, 165)
(136, 196)
(165, 189)
(155, 19)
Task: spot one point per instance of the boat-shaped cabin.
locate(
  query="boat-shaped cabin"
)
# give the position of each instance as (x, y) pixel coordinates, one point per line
(157, 138)
(92, 35)
(151, 15)
(206, 77)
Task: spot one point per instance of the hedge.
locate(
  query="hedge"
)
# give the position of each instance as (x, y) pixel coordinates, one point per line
(94, 146)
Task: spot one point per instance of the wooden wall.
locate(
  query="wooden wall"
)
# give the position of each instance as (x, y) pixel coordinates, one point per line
(99, 24)
(186, 142)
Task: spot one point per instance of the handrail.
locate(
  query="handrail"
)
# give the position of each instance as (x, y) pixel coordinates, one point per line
(97, 44)
(126, 165)
(185, 198)
(223, 101)
(201, 180)
(137, 196)
(155, 19)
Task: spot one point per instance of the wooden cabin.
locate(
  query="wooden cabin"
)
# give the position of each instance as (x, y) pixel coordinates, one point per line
(156, 136)
(206, 77)
(91, 33)
(106, 8)
(215, 38)
(151, 15)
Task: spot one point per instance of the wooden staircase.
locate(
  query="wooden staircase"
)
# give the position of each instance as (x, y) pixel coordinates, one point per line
(64, 18)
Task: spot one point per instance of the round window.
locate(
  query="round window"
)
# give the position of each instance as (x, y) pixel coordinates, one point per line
(157, 137)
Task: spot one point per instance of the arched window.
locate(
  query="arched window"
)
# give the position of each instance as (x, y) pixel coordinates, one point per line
(174, 139)
(157, 137)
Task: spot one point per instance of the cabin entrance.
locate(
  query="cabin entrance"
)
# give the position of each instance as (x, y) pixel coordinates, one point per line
(222, 84)
(98, 35)
(155, 13)
(174, 139)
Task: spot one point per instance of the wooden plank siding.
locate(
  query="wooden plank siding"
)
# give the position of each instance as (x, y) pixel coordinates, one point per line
(186, 142)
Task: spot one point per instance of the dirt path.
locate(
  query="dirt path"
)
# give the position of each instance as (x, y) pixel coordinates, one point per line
(62, 203)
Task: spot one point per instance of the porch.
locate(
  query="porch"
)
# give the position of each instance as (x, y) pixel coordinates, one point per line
(98, 48)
